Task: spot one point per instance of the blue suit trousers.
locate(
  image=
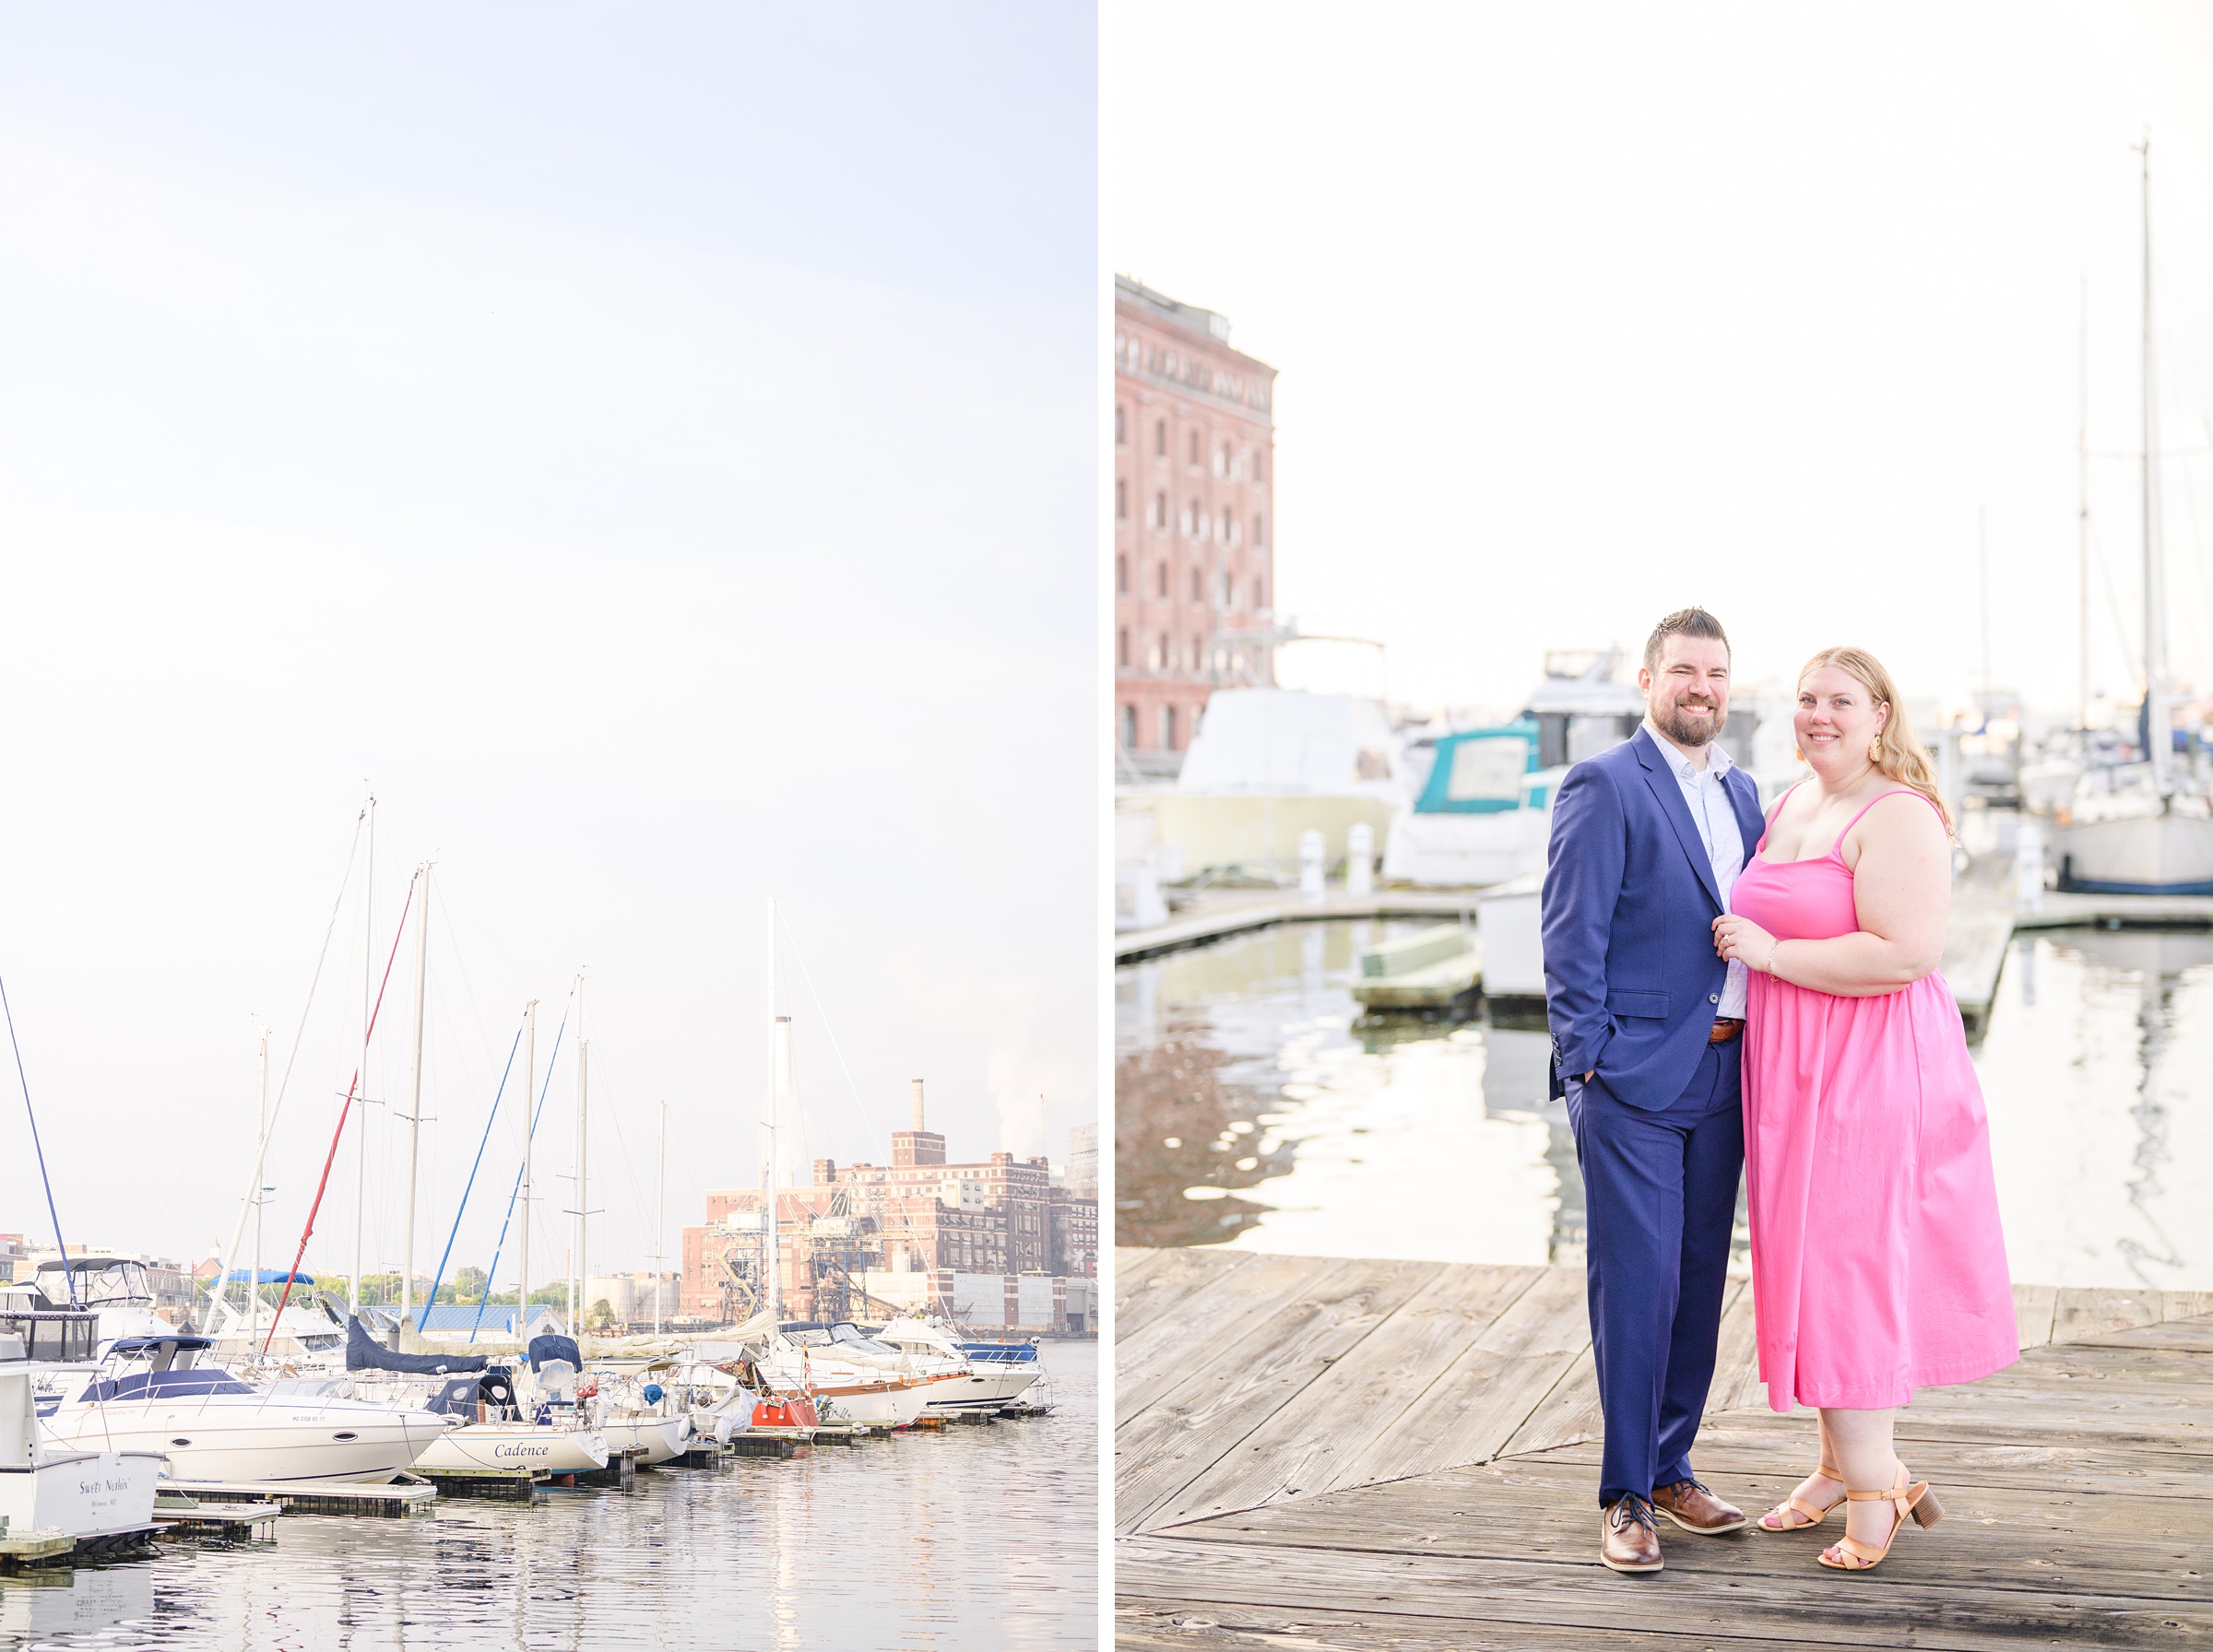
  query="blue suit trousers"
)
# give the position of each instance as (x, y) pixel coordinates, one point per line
(1660, 1192)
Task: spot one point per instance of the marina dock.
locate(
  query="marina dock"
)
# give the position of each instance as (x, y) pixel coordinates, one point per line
(1986, 915)
(1345, 1454)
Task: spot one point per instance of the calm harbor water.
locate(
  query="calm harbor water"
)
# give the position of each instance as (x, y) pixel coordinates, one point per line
(975, 1537)
(1255, 1108)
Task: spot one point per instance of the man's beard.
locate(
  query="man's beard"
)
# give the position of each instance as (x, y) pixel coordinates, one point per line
(1682, 730)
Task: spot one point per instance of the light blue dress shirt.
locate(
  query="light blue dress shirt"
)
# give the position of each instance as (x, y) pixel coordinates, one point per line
(1715, 818)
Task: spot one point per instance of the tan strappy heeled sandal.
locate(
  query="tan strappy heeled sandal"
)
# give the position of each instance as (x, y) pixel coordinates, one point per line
(1917, 1500)
(1813, 1517)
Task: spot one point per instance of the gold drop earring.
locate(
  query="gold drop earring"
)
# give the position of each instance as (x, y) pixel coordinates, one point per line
(1875, 751)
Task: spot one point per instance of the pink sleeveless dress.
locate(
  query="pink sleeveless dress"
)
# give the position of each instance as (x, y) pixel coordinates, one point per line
(1877, 1262)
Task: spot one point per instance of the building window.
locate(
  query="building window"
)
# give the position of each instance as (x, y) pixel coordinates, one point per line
(1198, 590)
(1129, 727)
(1160, 511)
(1163, 579)
(1122, 650)
(1196, 521)
(1119, 440)
(1260, 469)
(1121, 499)
(1229, 525)
(1222, 460)
(1258, 536)
(1194, 448)
(1167, 728)
(1164, 658)
(1230, 592)
(1160, 437)
(1121, 574)
(1259, 594)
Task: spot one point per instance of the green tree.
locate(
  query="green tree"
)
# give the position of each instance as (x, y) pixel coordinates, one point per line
(602, 1316)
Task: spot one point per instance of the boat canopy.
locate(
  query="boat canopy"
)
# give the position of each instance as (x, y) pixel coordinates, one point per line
(180, 1342)
(1480, 771)
(268, 1276)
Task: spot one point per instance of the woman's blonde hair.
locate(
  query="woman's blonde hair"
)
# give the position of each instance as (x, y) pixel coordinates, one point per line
(1898, 755)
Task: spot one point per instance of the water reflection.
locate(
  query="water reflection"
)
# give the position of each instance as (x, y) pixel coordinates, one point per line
(1434, 1139)
(980, 1536)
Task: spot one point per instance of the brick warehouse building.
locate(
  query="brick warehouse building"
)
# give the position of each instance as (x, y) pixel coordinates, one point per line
(919, 1216)
(1194, 520)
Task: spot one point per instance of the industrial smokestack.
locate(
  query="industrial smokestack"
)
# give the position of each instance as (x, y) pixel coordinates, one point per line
(918, 1105)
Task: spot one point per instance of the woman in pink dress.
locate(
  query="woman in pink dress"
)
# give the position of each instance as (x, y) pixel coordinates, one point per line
(1877, 1263)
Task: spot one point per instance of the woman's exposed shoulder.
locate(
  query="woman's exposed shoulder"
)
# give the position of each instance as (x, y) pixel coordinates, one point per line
(1903, 818)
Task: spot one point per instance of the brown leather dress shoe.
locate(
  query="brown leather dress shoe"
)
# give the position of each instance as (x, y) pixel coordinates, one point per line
(1629, 1538)
(1694, 1508)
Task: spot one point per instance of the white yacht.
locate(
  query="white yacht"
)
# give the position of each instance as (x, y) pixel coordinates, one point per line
(150, 1394)
(116, 1287)
(934, 1350)
(526, 1416)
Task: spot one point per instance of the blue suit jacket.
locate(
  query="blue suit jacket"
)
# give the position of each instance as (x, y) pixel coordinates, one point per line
(1631, 978)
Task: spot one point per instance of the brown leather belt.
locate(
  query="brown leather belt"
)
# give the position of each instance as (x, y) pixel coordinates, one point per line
(1723, 1030)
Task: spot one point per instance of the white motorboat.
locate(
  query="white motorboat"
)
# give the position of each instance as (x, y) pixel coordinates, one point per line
(99, 1496)
(151, 1395)
(934, 1350)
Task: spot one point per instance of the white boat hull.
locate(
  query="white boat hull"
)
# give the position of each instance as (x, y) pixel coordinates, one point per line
(984, 1388)
(1463, 851)
(662, 1438)
(516, 1446)
(82, 1493)
(897, 1405)
(331, 1441)
(2137, 853)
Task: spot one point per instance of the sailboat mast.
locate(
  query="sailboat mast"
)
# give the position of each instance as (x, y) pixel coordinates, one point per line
(406, 1240)
(2158, 730)
(2082, 494)
(578, 1272)
(260, 1193)
(361, 1086)
(522, 1264)
(778, 1029)
(660, 1219)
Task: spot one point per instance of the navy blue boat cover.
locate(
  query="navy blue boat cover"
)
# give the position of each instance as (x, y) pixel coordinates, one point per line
(364, 1353)
(551, 1347)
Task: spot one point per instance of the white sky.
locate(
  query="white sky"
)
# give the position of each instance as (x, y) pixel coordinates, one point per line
(1587, 311)
(652, 445)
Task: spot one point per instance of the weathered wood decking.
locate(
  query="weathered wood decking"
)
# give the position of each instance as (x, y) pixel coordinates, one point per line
(1322, 1452)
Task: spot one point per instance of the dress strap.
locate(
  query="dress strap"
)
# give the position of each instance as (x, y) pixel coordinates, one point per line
(1903, 791)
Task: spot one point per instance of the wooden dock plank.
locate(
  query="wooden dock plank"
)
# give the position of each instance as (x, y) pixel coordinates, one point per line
(1541, 1509)
(1196, 1330)
(2033, 1306)
(1302, 1448)
(2086, 1313)
(1158, 1279)
(2079, 1485)
(1736, 1355)
(1814, 1606)
(1199, 1420)
(1478, 1402)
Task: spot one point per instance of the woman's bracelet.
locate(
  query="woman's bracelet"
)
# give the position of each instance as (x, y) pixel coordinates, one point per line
(1773, 947)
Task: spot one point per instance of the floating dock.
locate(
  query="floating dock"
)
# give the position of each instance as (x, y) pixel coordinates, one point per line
(177, 1516)
(1354, 1454)
(499, 1485)
(408, 1497)
(1432, 970)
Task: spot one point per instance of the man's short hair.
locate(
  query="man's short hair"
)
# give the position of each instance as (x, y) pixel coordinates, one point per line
(1683, 622)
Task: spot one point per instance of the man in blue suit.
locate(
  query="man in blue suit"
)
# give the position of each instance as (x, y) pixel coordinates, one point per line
(1647, 841)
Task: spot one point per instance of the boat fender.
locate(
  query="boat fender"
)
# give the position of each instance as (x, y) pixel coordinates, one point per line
(653, 1393)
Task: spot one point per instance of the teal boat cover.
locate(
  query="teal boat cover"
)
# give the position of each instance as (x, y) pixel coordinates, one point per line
(1480, 771)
